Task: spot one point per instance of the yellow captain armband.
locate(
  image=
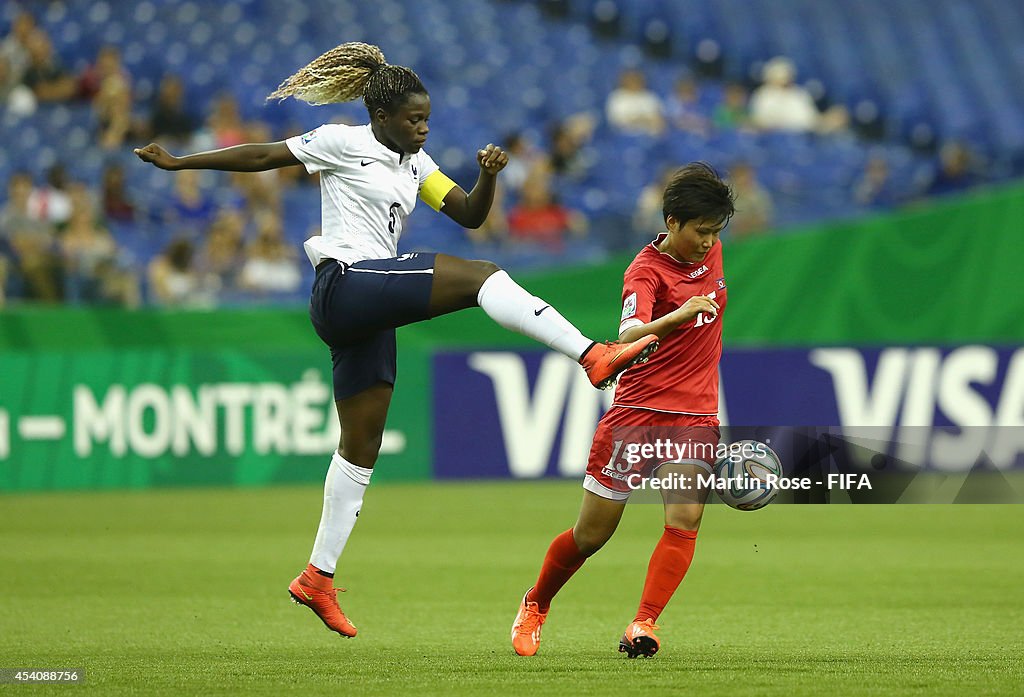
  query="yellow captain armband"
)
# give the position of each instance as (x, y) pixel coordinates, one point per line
(435, 188)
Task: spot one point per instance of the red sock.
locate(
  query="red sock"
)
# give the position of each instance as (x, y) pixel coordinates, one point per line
(669, 562)
(560, 563)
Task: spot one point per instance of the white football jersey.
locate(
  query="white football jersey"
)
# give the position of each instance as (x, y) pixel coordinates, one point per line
(367, 191)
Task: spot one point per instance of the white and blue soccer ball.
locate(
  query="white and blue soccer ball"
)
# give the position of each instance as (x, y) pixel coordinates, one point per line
(747, 477)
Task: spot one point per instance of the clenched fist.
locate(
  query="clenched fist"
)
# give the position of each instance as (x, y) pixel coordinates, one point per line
(158, 156)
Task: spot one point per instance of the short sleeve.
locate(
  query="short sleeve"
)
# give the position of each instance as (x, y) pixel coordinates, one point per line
(322, 148)
(426, 165)
(639, 290)
(434, 185)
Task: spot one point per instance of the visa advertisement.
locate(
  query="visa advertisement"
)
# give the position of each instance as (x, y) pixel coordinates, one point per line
(528, 414)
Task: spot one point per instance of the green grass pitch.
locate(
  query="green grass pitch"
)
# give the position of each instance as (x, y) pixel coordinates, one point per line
(184, 593)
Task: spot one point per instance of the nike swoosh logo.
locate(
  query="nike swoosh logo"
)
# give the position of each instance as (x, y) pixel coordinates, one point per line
(536, 313)
(370, 162)
(308, 597)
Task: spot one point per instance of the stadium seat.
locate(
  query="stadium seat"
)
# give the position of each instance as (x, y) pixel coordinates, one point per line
(929, 70)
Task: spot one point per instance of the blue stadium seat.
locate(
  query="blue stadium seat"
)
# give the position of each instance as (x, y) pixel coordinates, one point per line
(946, 67)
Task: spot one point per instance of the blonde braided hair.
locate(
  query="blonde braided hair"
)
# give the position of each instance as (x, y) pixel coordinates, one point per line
(349, 71)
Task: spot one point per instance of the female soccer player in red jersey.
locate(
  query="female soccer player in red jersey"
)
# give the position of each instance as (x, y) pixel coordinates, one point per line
(675, 289)
(370, 177)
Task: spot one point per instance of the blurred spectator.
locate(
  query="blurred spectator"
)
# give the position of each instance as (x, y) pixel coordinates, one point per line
(731, 113)
(271, 265)
(107, 64)
(16, 100)
(683, 110)
(495, 227)
(169, 118)
(7, 253)
(30, 242)
(523, 155)
(781, 105)
(45, 75)
(109, 87)
(539, 218)
(224, 123)
(189, 205)
(175, 281)
(14, 47)
(91, 259)
(957, 170)
(568, 156)
(51, 202)
(875, 187)
(260, 191)
(632, 108)
(649, 217)
(113, 107)
(117, 205)
(224, 238)
(755, 210)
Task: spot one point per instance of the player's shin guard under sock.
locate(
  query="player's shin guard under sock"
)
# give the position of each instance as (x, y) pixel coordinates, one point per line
(343, 497)
(669, 563)
(511, 306)
(563, 559)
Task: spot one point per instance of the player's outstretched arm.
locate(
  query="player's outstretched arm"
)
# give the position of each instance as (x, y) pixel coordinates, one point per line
(666, 324)
(470, 210)
(251, 157)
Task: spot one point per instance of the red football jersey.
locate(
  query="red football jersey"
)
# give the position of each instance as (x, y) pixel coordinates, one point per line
(682, 375)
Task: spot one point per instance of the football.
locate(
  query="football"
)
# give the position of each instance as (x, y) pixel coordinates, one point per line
(747, 478)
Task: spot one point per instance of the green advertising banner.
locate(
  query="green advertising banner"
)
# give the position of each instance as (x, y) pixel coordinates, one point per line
(111, 399)
(101, 398)
(140, 418)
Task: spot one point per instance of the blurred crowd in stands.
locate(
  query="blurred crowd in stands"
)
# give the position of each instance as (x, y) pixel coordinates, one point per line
(56, 243)
(55, 239)
(777, 105)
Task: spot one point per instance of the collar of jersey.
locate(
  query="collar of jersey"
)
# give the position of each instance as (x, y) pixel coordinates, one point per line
(654, 246)
(380, 151)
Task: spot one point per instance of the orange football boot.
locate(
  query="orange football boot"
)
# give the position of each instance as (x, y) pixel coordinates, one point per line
(640, 640)
(526, 628)
(322, 599)
(604, 362)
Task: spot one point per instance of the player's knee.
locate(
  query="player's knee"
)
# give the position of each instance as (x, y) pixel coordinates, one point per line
(589, 541)
(484, 270)
(360, 451)
(688, 520)
(473, 278)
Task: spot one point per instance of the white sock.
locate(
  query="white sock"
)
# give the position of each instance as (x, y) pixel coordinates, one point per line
(343, 497)
(508, 304)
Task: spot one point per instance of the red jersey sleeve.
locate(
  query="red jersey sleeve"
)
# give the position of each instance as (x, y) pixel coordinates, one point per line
(639, 290)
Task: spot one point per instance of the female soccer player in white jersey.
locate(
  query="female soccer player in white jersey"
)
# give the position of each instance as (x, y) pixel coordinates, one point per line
(675, 289)
(370, 177)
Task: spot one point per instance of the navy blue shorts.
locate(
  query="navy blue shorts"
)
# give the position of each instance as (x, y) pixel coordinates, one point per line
(355, 309)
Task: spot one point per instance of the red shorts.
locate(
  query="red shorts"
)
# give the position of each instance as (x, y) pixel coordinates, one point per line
(630, 444)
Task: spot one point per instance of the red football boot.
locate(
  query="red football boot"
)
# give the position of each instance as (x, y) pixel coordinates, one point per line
(318, 594)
